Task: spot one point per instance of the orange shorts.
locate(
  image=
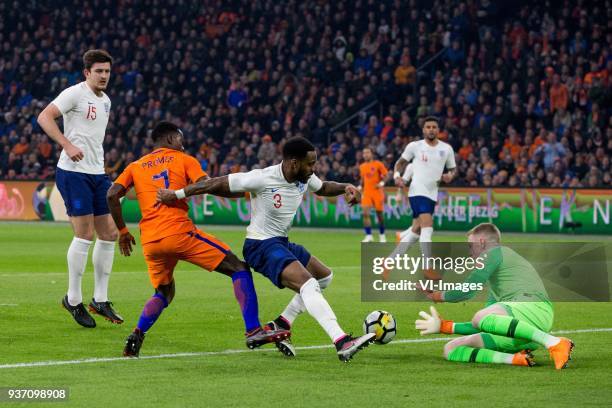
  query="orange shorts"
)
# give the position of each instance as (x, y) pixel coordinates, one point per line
(374, 199)
(197, 247)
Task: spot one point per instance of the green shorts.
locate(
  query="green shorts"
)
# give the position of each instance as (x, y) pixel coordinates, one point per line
(538, 314)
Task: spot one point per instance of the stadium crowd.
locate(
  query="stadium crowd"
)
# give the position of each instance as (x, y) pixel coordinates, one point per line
(522, 89)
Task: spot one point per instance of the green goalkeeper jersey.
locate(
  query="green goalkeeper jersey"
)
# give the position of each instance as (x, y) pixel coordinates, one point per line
(511, 278)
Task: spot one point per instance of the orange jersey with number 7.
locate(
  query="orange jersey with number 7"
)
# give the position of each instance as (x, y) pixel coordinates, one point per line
(162, 168)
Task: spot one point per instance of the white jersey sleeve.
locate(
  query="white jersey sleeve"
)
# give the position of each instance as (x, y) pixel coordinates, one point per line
(409, 152)
(67, 100)
(253, 181)
(450, 160)
(314, 183)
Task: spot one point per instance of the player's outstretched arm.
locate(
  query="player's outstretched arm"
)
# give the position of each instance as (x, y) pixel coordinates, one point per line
(220, 193)
(218, 186)
(46, 120)
(113, 196)
(433, 323)
(479, 276)
(332, 189)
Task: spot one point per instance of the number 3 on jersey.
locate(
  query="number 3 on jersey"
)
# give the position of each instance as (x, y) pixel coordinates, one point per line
(277, 199)
(164, 175)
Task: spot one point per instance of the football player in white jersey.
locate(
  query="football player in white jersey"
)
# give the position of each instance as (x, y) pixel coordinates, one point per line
(276, 194)
(427, 159)
(81, 180)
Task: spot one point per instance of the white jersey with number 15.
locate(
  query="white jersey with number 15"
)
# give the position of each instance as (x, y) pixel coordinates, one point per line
(85, 118)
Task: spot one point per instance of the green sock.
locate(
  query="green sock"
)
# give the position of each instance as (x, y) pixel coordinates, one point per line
(467, 354)
(507, 344)
(510, 327)
(465, 328)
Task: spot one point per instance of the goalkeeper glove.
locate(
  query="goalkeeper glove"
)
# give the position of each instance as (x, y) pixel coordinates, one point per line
(433, 323)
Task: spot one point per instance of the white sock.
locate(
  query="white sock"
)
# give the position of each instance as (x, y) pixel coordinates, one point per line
(326, 281)
(425, 241)
(293, 309)
(77, 260)
(102, 257)
(408, 235)
(318, 308)
(551, 341)
(296, 305)
(407, 240)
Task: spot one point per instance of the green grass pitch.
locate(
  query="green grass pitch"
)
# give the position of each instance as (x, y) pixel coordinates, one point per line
(204, 319)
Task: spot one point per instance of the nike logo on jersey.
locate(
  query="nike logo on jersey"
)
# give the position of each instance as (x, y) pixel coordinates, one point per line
(274, 190)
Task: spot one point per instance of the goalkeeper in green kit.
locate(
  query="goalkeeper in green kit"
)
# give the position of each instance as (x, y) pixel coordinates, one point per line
(517, 318)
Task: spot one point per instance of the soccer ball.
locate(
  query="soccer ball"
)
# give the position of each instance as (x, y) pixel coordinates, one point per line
(382, 324)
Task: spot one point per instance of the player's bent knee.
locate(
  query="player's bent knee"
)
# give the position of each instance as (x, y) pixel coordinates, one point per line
(85, 236)
(317, 269)
(481, 314)
(425, 220)
(326, 281)
(230, 264)
(294, 276)
(167, 290)
(111, 237)
(449, 347)
(83, 232)
(478, 316)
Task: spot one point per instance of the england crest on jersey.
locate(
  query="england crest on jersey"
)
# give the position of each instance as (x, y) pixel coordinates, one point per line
(107, 107)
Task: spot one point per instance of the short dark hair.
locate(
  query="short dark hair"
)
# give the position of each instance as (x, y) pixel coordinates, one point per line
(431, 119)
(93, 56)
(297, 148)
(163, 129)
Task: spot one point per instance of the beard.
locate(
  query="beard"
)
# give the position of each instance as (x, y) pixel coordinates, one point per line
(303, 178)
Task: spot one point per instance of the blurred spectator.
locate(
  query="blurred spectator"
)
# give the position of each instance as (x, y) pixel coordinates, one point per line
(559, 96)
(551, 150)
(267, 151)
(519, 86)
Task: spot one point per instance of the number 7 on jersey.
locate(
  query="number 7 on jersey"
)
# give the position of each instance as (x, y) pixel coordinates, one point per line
(165, 176)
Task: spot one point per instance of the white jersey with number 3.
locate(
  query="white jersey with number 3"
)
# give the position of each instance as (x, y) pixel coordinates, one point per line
(274, 201)
(85, 118)
(428, 163)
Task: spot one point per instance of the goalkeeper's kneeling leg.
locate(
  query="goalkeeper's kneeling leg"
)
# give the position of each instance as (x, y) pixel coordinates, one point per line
(471, 349)
(494, 309)
(473, 340)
